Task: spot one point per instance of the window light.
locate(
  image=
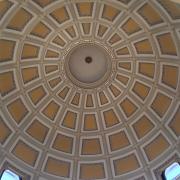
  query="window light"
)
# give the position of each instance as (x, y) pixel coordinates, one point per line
(172, 172)
(9, 175)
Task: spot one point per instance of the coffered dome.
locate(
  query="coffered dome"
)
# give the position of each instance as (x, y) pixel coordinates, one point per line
(89, 89)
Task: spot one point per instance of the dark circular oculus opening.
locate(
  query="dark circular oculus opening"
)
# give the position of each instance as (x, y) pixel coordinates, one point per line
(88, 59)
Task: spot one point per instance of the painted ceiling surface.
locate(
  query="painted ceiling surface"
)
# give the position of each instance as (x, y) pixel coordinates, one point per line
(127, 127)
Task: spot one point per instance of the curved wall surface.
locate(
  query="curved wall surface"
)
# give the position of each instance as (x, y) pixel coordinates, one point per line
(127, 127)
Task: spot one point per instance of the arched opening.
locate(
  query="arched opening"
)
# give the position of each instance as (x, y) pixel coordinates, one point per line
(172, 172)
(9, 175)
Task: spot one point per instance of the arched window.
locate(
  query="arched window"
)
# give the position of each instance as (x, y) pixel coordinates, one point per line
(9, 175)
(172, 172)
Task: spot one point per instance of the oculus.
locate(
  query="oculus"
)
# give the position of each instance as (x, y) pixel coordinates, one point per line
(88, 65)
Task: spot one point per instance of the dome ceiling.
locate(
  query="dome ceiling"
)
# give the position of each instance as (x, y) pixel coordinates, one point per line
(126, 126)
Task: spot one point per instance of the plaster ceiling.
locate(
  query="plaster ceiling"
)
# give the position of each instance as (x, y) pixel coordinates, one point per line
(127, 127)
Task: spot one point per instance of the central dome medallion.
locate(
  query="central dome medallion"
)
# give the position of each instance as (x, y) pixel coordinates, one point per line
(88, 65)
